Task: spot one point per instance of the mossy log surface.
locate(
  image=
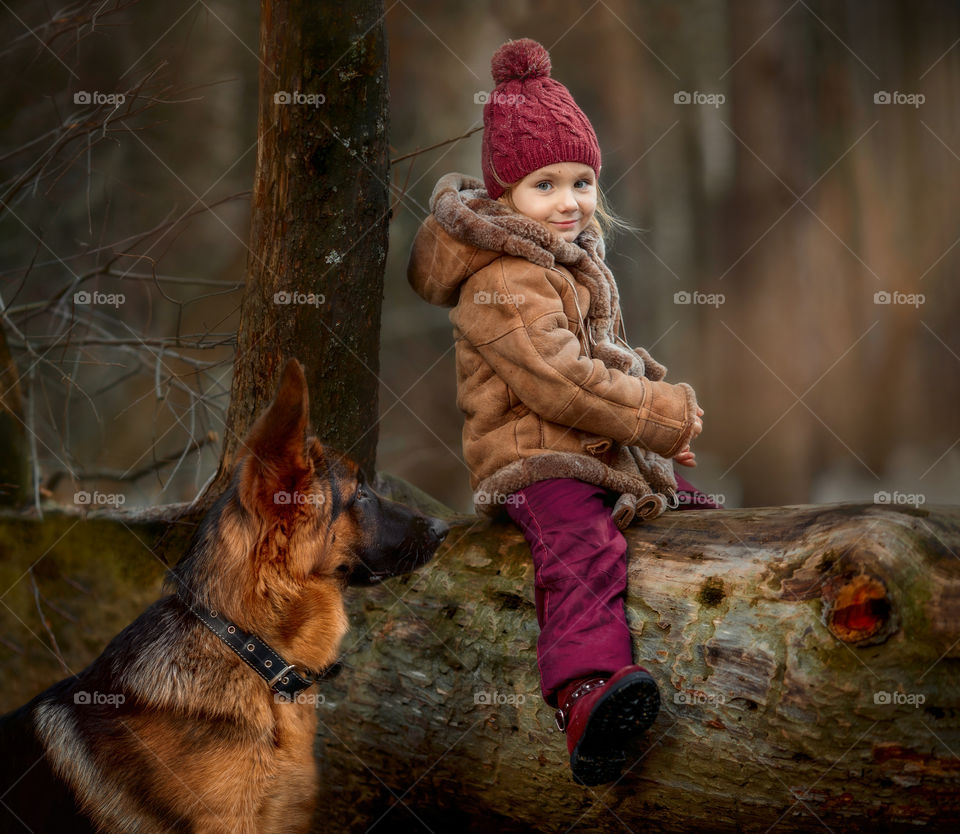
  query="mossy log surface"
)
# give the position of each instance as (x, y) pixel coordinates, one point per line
(808, 659)
(80, 579)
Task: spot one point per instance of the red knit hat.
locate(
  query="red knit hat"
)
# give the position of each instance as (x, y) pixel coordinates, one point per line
(530, 120)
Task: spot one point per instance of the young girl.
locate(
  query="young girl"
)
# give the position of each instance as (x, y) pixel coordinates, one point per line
(566, 427)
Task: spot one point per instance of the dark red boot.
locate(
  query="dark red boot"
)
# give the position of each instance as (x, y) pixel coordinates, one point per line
(601, 716)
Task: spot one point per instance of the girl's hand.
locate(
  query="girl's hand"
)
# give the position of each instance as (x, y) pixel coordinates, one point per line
(697, 423)
(685, 457)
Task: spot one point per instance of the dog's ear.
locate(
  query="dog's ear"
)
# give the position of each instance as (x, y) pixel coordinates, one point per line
(275, 464)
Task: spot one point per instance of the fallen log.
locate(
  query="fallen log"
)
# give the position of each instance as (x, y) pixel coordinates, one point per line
(808, 659)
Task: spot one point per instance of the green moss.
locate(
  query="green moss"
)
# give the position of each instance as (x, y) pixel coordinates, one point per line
(92, 577)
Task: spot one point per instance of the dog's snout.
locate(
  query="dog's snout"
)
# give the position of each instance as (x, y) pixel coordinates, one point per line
(406, 539)
(437, 529)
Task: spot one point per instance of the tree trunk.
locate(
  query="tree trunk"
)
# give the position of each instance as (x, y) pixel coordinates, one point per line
(318, 237)
(14, 451)
(807, 658)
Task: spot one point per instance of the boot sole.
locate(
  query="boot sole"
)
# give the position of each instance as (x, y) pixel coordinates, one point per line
(627, 710)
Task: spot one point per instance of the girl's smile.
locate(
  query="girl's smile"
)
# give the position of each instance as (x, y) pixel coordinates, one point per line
(563, 197)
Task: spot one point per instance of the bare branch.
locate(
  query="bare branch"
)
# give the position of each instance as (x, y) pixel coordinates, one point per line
(118, 475)
(419, 151)
(55, 647)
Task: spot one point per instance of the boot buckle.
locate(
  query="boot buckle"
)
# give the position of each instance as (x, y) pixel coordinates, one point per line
(560, 716)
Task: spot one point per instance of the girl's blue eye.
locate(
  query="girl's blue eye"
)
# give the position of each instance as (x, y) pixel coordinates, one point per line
(544, 185)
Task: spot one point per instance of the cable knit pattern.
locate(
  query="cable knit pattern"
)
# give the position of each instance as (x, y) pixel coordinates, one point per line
(530, 120)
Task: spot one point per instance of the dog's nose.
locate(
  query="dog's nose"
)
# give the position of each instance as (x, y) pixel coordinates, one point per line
(437, 529)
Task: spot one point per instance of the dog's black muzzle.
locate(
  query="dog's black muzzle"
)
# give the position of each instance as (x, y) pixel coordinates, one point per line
(396, 539)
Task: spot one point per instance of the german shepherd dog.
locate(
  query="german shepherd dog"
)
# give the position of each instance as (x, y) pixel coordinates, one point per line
(171, 729)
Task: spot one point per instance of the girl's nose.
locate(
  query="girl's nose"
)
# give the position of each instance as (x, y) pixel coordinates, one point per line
(568, 201)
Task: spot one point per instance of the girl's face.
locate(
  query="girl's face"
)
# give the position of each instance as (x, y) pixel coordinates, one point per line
(563, 197)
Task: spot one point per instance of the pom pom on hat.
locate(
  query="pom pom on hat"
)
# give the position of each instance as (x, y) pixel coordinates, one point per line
(530, 120)
(518, 60)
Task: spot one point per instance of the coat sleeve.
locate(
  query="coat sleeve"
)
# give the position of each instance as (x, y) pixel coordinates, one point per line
(513, 316)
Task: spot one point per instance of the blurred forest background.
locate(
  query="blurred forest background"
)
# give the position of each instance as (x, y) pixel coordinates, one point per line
(791, 167)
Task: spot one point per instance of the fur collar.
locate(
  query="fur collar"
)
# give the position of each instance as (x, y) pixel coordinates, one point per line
(462, 208)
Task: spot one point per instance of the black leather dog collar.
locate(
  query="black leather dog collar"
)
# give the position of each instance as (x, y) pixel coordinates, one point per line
(280, 676)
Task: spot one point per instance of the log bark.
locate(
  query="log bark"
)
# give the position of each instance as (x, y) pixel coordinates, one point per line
(808, 659)
(319, 216)
(792, 646)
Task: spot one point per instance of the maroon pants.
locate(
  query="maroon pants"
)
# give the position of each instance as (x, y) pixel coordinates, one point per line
(580, 579)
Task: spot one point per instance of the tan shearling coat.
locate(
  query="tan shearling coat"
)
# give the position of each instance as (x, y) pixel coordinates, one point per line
(547, 386)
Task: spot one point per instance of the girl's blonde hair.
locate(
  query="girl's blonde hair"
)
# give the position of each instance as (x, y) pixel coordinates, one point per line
(605, 221)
